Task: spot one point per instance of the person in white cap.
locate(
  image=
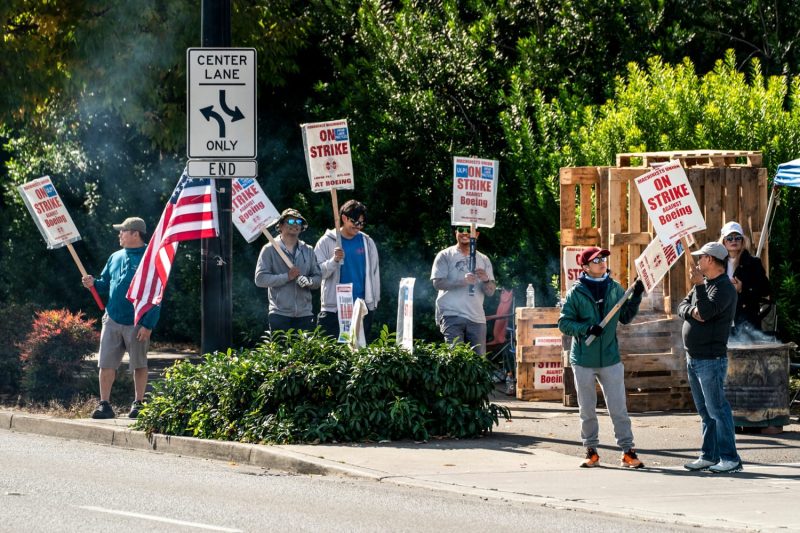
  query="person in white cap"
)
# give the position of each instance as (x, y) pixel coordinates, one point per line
(748, 277)
(708, 312)
(120, 334)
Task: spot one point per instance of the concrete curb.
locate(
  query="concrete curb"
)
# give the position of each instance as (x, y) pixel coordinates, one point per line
(115, 432)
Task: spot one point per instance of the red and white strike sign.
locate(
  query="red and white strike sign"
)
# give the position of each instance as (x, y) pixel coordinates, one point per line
(474, 191)
(252, 210)
(670, 202)
(655, 262)
(53, 220)
(327, 151)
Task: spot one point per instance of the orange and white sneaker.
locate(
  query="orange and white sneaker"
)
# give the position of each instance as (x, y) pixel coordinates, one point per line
(591, 460)
(629, 460)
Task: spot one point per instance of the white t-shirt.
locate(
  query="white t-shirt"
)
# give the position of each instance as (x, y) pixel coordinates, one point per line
(452, 265)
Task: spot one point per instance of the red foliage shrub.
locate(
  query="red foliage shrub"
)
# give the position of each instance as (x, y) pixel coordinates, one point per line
(52, 353)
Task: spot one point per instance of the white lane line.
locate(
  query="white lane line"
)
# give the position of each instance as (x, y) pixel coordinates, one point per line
(161, 519)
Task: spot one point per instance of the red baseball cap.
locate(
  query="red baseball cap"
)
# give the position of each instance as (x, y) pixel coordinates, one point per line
(591, 253)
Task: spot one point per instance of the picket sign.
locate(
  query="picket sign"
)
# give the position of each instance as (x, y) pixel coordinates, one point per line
(328, 161)
(53, 220)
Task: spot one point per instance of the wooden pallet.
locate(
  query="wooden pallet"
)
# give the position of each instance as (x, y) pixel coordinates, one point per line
(693, 158)
(539, 372)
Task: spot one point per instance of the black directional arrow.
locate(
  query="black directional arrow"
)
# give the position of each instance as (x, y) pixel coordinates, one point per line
(235, 114)
(209, 113)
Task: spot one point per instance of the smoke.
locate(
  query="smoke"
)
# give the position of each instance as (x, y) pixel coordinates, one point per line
(746, 333)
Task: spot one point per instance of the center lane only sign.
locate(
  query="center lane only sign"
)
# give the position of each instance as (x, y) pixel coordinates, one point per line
(221, 108)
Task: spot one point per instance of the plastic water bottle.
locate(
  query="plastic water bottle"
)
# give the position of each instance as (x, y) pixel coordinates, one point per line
(530, 296)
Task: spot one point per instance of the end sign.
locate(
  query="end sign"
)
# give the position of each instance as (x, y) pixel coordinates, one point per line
(221, 103)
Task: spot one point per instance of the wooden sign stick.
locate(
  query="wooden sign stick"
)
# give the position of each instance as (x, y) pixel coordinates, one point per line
(613, 312)
(84, 273)
(336, 219)
(278, 248)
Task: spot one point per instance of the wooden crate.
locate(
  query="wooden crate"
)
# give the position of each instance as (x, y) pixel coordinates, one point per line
(538, 361)
(600, 206)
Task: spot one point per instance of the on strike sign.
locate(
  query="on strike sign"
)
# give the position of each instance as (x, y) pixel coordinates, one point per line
(670, 202)
(49, 213)
(252, 210)
(474, 191)
(655, 262)
(327, 150)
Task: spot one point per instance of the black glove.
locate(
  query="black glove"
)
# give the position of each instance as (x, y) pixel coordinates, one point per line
(595, 330)
(638, 288)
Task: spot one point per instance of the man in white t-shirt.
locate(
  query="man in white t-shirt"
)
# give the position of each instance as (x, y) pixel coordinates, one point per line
(459, 310)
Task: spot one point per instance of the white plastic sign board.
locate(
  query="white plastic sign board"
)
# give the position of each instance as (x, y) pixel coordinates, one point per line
(474, 191)
(327, 150)
(670, 202)
(221, 103)
(252, 212)
(344, 309)
(655, 262)
(405, 314)
(51, 217)
(572, 270)
(203, 168)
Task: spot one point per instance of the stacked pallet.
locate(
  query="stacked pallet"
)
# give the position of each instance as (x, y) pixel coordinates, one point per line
(539, 346)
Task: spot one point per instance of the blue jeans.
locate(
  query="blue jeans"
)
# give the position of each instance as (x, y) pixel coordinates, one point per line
(707, 380)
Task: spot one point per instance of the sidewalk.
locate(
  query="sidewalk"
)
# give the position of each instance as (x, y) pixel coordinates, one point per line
(533, 458)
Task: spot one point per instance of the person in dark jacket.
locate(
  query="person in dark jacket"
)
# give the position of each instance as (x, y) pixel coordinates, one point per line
(708, 312)
(748, 277)
(585, 306)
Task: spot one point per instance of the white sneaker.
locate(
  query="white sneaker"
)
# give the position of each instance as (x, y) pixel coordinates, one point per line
(699, 464)
(726, 467)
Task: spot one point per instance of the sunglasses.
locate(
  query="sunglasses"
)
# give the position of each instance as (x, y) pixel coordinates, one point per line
(360, 223)
(462, 230)
(295, 221)
(732, 238)
(598, 260)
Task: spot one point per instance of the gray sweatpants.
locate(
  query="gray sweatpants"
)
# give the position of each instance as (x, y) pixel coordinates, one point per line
(612, 381)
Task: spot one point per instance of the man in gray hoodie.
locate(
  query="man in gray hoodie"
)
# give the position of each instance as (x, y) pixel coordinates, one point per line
(289, 288)
(355, 261)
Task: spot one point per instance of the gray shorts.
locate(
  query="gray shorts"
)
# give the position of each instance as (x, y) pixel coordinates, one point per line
(115, 340)
(460, 329)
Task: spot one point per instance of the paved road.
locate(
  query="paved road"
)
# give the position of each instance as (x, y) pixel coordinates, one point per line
(51, 484)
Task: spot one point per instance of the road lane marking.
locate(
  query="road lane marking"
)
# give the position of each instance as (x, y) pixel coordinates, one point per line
(160, 519)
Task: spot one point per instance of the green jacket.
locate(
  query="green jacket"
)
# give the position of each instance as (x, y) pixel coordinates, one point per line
(578, 314)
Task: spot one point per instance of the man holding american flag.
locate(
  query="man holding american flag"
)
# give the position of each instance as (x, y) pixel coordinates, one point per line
(190, 213)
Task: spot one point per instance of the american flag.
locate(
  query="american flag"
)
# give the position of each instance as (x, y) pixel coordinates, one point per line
(191, 213)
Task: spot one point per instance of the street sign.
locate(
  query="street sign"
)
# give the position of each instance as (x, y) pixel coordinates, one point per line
(221, 103)
(225, 168)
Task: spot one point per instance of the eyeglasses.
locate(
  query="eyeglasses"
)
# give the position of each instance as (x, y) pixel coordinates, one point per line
(731, 238)
(598, 260)
(295, 221)
(357, 223)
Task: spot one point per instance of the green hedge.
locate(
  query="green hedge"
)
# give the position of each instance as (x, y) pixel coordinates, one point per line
(295, 388)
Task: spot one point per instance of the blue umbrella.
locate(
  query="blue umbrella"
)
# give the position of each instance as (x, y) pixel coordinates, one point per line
(788, 175)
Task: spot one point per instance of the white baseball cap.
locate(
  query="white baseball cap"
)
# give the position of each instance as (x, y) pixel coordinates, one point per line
(731, 227)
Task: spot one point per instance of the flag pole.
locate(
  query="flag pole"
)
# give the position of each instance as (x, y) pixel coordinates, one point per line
(84, 273)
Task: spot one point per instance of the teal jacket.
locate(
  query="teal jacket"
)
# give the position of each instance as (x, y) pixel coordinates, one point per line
(581, 311)
(115, 280)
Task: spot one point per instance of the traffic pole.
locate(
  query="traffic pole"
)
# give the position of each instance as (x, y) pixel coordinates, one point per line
(216, 254)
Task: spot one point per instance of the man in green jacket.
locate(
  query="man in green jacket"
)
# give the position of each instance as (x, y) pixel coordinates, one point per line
(587, 302)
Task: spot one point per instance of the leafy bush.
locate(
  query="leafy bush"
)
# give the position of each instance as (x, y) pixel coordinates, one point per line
(15, 320)
(52, 352)
(303, 387)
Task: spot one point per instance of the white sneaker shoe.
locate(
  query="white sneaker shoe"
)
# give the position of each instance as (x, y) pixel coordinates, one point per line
(699, 464)
(726, 467)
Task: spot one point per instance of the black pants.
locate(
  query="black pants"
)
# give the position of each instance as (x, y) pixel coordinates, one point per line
(284, 323)
(329, 322)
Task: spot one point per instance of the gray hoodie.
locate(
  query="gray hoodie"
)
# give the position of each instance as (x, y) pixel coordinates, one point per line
(286, 298)
(330, 271)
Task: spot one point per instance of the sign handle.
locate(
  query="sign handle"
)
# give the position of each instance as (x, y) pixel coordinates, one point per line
(336, 219)
(77, 260)
(686, 249)
(613, 312)
(278, 248)
(473, 237)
